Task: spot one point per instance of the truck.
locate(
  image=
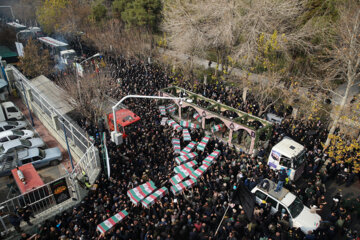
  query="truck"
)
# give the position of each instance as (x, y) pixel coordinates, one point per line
(58, 50)
(8, 111)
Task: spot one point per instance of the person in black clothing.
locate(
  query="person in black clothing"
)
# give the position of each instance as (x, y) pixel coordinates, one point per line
(282, 178)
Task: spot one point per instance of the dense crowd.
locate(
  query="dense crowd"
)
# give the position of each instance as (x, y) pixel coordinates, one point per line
(147, 154)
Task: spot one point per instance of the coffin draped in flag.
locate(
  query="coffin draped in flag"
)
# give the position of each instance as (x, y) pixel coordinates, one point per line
(186, 124)
(184, 158)
(177, 178)
(152, 198)
(162, 110)
(164, 121)
(199, 171)
(171, 108)
(217, 128)
(188, 148)
(213, 156)
(110, 222)
(197, 117)
(201, 146)
(178, 188)
(174, 125)
(186, 135)
(139, 193)
(186, 168)
(176, 145)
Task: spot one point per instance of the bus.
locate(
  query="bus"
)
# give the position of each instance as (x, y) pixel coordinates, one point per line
(59, 50)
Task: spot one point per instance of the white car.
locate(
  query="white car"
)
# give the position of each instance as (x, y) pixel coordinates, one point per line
(299, 215)
(12, 125)
(9, 135)
(20, 144)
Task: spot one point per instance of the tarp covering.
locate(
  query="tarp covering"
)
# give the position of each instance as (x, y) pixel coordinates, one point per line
(139, 193)
(152, 198)
(110, 222)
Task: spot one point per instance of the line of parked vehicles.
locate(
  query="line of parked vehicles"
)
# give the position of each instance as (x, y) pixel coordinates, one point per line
(19, 145)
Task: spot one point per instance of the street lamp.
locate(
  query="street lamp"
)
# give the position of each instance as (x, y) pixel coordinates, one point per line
(140, 96)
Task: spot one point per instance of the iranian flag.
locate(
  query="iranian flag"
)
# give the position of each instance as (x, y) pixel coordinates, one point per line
(217, 128)
(213, 156)
(110, 222)
(185, 168)
(201, 146)
(178, 188)
(197, 117)
(187, 124)
(162, 110)
(185, 158)
(186, 135)
(152, 198)
(176, 145)
(139, 193)
(188, 148)
(198, 172)
(177, 178)
(171, 108)
(174, 125)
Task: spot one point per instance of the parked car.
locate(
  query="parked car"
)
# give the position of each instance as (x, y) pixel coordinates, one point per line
(8, 111)
(286, 202)
(12, 125)
(19, 144)
(9, 135)
(38, 157)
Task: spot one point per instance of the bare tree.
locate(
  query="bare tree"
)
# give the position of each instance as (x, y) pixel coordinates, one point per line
(88, 93)
(345, 59)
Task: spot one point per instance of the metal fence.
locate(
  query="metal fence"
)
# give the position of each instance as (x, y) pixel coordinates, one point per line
(42, 199)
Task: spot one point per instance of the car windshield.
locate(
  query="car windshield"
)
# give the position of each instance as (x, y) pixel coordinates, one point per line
(42, 153)
(18, 133)
(25, 143)
(13, 123)
(299, 160)
(296, 207)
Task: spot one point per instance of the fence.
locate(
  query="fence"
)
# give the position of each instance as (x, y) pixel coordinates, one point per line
(41, 200)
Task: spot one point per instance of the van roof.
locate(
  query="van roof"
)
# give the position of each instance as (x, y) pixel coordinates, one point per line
(271, 190)
(288, 147)
(8, 104)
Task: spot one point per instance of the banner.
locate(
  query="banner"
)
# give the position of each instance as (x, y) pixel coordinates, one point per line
(152, 198)
(110, 222)
(197, 117)
(217, 128)
(185, 158)
(186, 135)
(177, 178)
(203, 143)
(188, 148)
(60, 190)
(178, 188)
(139, 193)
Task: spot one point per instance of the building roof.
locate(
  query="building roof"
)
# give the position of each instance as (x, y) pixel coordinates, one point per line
(57, 97)
(53, 42)
(5, 52)
(288, 147)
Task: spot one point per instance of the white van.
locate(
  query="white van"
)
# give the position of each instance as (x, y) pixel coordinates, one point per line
(8, 111)
(286, 202)
(290, 155)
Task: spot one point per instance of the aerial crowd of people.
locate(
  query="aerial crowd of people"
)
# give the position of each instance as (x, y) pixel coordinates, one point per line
(147, 154)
